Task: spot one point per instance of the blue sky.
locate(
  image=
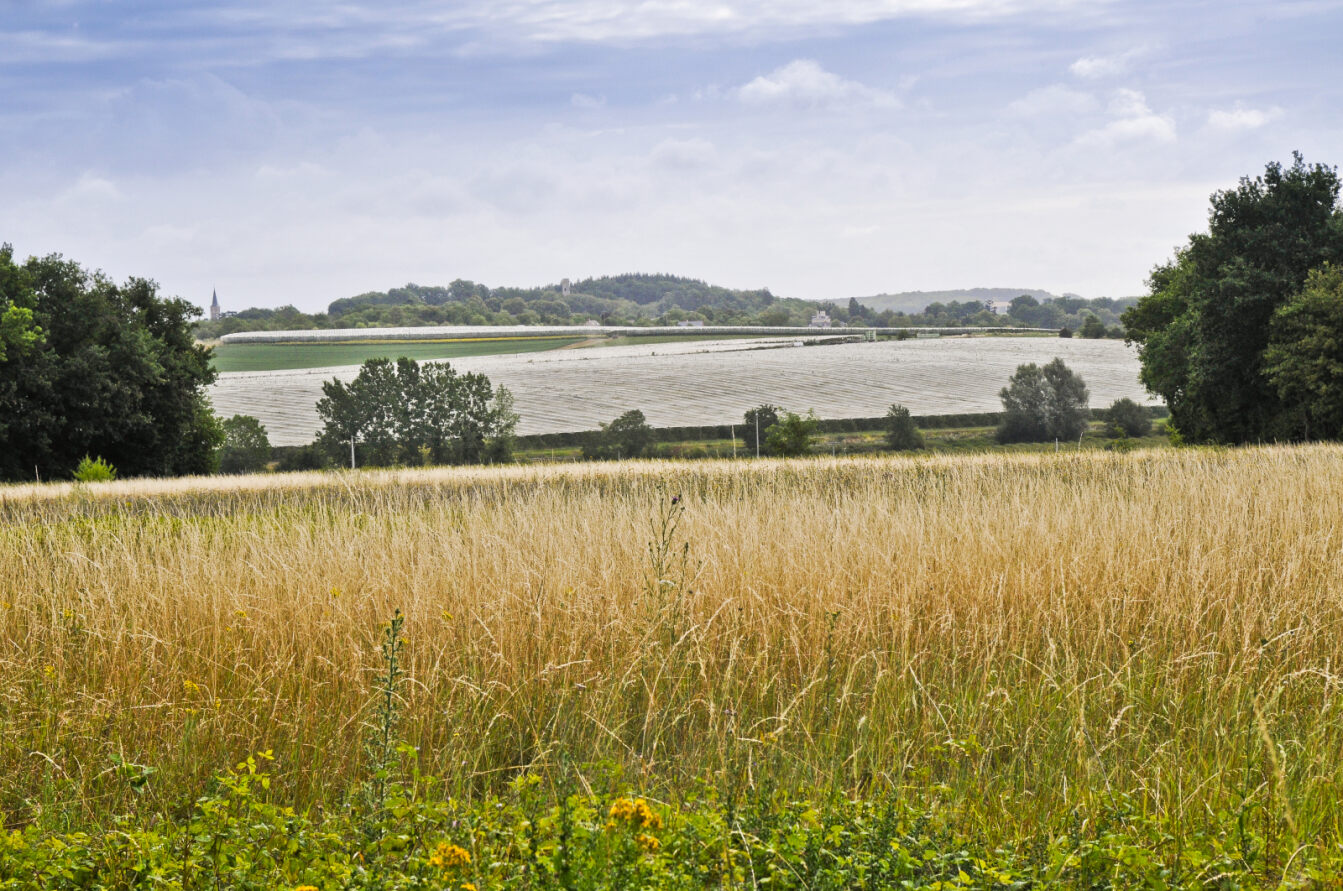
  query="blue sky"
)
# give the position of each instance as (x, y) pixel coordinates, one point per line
(299, 152)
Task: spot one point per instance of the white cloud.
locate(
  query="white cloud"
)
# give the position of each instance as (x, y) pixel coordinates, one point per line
(1241, 118)
(584, 100)
(90, 187)
(683, 153)
(1133, 122)
(805, 84)
(1100, 67)
(601, 20)
(1051, 101)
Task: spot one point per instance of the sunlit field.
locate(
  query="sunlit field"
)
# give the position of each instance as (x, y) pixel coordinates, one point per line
(1036, 639)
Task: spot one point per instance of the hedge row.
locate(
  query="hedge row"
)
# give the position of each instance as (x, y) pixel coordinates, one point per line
(579, 438)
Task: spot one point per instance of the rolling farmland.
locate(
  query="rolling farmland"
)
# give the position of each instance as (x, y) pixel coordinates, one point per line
(692, 383)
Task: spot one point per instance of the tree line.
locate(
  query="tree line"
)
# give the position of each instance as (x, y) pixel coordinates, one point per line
(655, 300)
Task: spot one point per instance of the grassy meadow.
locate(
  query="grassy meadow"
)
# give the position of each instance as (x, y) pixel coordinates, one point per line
(228, 357)
(1026, 651)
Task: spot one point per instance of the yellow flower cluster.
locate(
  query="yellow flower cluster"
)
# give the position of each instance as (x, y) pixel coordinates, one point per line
(447, 856)
(647, 842)
(636, 813)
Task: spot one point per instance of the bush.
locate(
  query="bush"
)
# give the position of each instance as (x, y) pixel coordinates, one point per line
(94, 470)
(901, 433)
(793, 434)
(1043, 403)
(1092, 329)
(292, 458)
(1127, 418)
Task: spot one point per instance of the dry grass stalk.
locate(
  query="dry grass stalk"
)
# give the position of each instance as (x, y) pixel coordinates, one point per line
(1032, 632)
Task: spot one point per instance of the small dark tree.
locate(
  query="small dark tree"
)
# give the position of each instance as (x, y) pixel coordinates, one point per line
(1065, 331)
(1093, 328)
(246, 447)
(793, 434)
(758, 422)
(901, 433)
(625, 437)
(1041, 404)
(1127, 418)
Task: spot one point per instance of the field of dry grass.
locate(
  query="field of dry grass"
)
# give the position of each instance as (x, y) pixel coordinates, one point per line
(1032, 635)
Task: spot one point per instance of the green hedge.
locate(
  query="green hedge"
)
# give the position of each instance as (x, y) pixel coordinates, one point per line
(579, 438)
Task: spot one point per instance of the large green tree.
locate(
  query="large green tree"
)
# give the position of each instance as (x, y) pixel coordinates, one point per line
(1304, 360)
(91, 367)
(1205, 327)
(403, 412)
(1043, 404)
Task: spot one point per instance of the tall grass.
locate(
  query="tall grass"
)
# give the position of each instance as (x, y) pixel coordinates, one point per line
(1035, 636)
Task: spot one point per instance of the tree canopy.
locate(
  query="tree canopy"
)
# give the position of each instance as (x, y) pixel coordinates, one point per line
(91, 367)
(403, 412)
(793, 434)
(625, 437)
(246, 447)
(1205, 329)
(1304, 359)
(1042, 404)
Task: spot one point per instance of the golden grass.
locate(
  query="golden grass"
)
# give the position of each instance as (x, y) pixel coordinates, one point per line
(1029, 633)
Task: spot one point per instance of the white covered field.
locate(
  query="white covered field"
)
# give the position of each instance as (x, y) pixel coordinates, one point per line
(685, 384)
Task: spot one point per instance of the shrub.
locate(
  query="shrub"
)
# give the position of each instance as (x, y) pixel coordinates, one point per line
(94, 470)
(1127, 418)
(793, 434)
(901, 433)
(1092, 329)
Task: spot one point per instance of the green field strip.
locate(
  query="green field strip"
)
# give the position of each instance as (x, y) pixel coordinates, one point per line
(288, 356)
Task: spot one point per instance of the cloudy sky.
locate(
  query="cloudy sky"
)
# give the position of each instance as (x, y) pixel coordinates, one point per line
(296, 152)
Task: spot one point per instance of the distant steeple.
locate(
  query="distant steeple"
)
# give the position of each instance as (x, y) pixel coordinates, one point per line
(214, 306)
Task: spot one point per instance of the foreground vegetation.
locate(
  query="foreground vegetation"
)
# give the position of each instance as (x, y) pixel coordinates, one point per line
(1079, 669)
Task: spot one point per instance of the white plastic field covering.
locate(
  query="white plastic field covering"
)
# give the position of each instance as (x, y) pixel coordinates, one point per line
(687, 384)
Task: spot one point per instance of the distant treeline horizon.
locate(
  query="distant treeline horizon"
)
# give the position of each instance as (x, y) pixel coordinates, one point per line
(659, 299)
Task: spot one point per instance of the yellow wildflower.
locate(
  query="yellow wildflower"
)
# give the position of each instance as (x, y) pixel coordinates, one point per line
(636, 813)
(468, 886)
(647, 842)
(191, 687)
(447, 856)
(306, 888)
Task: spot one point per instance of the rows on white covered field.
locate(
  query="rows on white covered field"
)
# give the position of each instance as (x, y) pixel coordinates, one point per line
(685, 384)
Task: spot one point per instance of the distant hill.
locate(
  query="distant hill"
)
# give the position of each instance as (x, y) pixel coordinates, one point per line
(915, 301)
(644, 299)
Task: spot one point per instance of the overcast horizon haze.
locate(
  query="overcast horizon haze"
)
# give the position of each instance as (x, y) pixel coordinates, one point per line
(301, 152)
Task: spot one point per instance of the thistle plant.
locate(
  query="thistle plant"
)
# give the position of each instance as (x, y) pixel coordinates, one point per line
(380, 744)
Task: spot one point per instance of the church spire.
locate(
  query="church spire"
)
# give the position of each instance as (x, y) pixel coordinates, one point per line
(214, 305)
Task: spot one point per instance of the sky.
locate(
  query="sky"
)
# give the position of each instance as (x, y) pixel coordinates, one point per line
(298, 152)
